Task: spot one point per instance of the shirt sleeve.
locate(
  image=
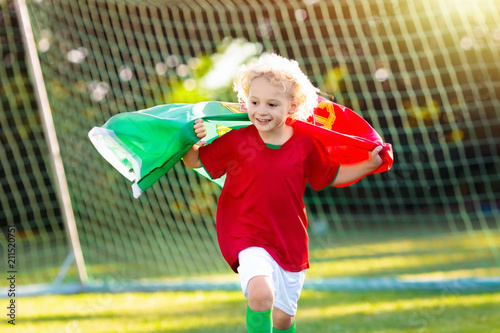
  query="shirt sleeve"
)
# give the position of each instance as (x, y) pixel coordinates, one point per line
(320, 169)
(216, 156)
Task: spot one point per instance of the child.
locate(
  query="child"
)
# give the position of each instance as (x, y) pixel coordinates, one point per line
(261, 217)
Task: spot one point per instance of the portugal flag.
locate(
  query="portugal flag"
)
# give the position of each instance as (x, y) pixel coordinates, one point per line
(144, 145)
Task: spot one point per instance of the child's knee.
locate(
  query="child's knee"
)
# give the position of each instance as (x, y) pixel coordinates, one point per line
(260, 293)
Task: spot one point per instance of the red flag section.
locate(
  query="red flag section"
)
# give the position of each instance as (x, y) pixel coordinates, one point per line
(347, 136)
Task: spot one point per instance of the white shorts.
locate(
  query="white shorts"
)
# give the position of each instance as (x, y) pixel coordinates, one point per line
(255, 261)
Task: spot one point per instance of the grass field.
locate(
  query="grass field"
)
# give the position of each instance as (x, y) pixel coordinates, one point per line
(429, 258)
(405, 254)
(219, 311)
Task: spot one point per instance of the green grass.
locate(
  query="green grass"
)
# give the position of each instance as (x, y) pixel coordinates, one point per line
(433, 256)
(406, 256)
(221, 311)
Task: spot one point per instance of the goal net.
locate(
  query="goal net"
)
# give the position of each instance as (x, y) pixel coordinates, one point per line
(425, 74)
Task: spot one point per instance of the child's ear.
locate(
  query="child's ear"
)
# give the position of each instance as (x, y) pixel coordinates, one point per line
(293, 108)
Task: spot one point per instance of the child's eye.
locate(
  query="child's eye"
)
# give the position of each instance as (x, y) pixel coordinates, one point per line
(273, 105)
(253, 103)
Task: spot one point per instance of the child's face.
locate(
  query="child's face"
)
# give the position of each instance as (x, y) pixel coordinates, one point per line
(268, 107)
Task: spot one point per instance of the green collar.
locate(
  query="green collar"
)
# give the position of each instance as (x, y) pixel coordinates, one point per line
(273, 146)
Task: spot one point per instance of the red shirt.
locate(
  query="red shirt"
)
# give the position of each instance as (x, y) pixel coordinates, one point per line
(261, 203)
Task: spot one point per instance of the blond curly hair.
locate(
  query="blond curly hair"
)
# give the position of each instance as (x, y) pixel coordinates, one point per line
(284, 73)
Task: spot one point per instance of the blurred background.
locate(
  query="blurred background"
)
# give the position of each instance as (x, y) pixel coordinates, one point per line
(425, 74)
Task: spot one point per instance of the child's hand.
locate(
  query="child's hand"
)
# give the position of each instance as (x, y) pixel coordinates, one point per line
(201, 132)
(375, 158)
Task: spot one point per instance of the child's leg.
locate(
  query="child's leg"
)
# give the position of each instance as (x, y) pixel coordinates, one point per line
(283, 322)
(266, 284)
(290, 330)
(260, 303)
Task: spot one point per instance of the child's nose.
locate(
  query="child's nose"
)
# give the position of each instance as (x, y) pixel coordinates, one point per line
(262, 110)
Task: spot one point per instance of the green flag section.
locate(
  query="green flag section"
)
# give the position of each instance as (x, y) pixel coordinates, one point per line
(144, 145)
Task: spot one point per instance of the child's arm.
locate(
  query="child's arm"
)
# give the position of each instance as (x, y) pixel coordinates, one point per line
(350, 172)
(191, 158)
